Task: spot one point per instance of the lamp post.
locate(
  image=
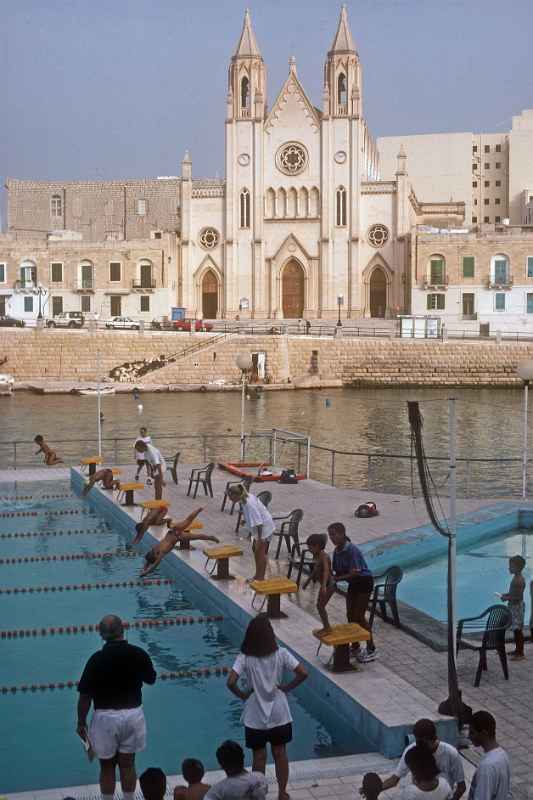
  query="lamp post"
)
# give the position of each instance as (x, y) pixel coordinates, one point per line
(340, 302)
(525, 371)
(244, 363)
(40, 291)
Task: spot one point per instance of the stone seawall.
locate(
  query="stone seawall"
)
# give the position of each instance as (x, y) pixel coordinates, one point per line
(300, 361)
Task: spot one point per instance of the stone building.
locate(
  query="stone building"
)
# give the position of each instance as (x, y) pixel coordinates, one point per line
(301, 225)
(465, 277)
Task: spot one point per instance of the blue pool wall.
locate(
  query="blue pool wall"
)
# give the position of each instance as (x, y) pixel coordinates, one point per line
(419, 545)
(390, 741)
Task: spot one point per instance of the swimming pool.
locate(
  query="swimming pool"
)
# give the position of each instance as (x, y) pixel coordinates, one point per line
(482, 570)
(187, 715)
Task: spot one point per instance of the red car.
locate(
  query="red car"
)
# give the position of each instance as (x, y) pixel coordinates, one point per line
(183, 325)
(187, 324)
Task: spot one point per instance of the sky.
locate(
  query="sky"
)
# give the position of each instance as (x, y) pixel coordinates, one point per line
(121, 88)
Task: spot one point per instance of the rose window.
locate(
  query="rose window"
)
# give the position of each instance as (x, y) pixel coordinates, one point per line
(209, 238)
(378, 235)
(292, 158)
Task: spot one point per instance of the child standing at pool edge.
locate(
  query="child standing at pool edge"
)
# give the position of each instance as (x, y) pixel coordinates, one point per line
(515, 601)
(321, 574)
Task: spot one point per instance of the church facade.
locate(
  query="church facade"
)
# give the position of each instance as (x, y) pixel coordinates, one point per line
(302, 226)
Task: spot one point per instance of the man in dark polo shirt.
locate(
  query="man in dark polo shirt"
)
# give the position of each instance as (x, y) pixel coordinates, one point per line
(112, 680)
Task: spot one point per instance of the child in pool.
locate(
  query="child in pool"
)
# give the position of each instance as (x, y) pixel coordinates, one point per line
(321, 574)
(50, 456)
(515, 601)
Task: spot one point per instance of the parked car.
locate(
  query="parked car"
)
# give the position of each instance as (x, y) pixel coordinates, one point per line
(123, 323)
(181, 325)
(11, 322)
(67, 319)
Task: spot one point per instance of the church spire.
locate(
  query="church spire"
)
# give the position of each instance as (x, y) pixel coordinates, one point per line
(343, 42)
(247, 43)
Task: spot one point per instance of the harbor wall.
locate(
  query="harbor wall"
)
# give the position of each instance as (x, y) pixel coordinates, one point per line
(296, 361)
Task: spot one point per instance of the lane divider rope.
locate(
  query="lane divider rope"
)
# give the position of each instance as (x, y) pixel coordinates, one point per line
(200, 672)
(15, 498)
(142, 623)
(86, 586)
(70, 557)
(65, 512)
(75, 532)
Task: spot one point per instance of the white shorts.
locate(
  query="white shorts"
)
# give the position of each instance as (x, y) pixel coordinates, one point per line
(112, 732)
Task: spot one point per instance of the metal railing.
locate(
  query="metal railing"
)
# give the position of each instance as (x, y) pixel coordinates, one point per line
(372, 471)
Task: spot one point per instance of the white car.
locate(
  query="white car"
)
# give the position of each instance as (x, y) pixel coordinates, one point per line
(7, 382)
(123, 323)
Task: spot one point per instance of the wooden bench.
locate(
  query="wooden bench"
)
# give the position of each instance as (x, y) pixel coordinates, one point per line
(91, 463)
(221, 554)
(149, 505)
(340, 637)
(127, 490)
(272, 590)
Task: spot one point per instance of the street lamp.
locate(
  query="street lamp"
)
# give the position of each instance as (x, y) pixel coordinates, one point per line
(340, 302)
(244, 363)
(40, 291)
(525, 371)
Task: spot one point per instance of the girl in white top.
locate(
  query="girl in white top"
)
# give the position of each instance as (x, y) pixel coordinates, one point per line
(427, 782)
(260, 524)
(266, 715)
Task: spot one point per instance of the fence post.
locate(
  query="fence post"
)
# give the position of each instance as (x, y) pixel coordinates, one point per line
(298, 468)
(244, 440)
(333, 453)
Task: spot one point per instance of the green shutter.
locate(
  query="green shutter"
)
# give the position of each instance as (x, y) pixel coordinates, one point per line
(429, 302)
(468, 266)
(530, 266)
(437, 271)
(440, 302)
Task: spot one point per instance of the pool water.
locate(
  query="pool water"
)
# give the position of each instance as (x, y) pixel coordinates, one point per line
(482, 570)
(185, 716)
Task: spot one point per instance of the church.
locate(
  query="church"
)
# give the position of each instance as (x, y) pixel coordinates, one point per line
(302, 225)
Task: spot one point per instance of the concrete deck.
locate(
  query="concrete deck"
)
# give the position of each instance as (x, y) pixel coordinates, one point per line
(407, 681)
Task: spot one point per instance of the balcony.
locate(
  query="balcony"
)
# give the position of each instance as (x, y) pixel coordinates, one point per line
(500, 284)
(429, 286)
(25, 285)
(84, 285)
(143, 284)
(469, 317)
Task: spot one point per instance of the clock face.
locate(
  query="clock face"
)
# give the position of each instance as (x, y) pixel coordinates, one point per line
(340, 156)
(291, 158)
(244, 159)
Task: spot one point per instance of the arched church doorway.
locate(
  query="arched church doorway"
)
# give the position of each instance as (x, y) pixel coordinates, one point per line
(378, 293)
(209, 295)
(293, 290)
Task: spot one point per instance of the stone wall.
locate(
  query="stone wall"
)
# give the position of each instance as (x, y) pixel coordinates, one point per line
(302, 360)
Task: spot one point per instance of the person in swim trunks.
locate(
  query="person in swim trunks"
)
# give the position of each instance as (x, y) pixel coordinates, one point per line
(50, 456)
(103, 476)
(177, 532)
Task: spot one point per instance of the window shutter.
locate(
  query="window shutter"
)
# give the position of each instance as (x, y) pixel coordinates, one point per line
(468, 266)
